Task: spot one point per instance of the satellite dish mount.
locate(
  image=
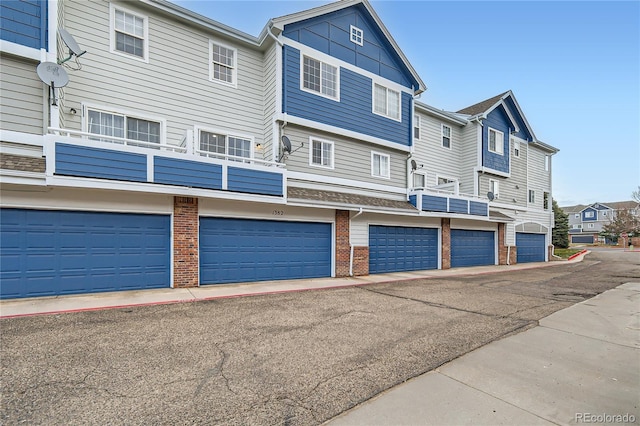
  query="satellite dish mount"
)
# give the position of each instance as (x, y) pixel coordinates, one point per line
(74, 47)
(491, 196)
(54, 76)
(286, 147)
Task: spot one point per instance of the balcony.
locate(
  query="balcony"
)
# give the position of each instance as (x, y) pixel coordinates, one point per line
(433, 200)
(83, 155)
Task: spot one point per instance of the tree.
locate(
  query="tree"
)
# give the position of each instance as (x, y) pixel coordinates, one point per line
(623, 222)
(560, 232)
(636, 195)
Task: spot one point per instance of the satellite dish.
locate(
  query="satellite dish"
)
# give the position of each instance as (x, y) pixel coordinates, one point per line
(72, 44)
(414, 165)
(286, 144)
(52, 74)
(490, 196)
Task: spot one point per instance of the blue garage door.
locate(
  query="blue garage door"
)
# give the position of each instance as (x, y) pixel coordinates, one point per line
(239, 250)
(472, 248)
(398, 248)
(531, 247)
(46, 253)
(582, 239)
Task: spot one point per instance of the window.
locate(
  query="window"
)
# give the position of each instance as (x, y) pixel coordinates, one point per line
(532, 196)
(547, 163)
(588, 214)
(386, 102)
(357, 36)
(446, 136)
(225, 145)
(516, 148)
(129, 33)
(590, 225)
(419, 180)
(496, 141)
(379, 165)
(222, 63)
(494, 187)
(416, 127)
(123, 126)
(578, 226)
(545, 200)
(604, 214)
(319, 77)
(321, 153)
(577, 216)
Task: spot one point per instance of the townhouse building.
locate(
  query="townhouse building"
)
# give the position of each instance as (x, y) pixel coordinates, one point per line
(170, 150)
(587, 221)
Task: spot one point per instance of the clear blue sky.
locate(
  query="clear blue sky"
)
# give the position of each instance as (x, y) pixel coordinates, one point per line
(574, 67)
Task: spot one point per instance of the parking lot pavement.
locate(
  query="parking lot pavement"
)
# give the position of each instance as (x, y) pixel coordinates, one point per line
(582, 361)
(289, 358)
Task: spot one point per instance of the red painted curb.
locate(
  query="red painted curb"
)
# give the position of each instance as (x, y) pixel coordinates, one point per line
(573, 256)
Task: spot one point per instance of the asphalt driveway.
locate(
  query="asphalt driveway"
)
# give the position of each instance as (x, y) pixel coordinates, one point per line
(295, 358)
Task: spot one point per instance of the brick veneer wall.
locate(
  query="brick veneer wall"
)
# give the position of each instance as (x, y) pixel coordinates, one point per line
(185, 242)
(22, 163)
(446, 243)
(343, 247)
(502, 248)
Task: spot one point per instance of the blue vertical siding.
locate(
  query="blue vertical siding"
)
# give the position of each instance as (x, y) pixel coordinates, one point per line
(589, 219)
(194, 174)
(24, 22)
(330, 34)
(73, 160)
(353, 111)
(523, 130)
(254, 181)
(497, 120)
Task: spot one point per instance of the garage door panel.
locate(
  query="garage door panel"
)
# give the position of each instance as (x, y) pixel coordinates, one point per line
(530, 247)
(65, 252)
(237, 250)
(397, 248)
(472, 248)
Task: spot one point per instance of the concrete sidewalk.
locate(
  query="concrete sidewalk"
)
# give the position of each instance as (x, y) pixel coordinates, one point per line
(84, 302)
(581, 365)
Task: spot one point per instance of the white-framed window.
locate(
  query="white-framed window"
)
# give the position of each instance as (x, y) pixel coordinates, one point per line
(321, 153)
(107, 122)
(494, 187)
(223, 144)
(223, 63)
(545, 200)
(590, 225)
(496, 141)
(380, 166)
(516, 148)
(604, 213)
(386, 102)
(577, 216)
(320, 78)
(446, 136)
(416, 127)
(589, 214)
(547, 163)
(577, 226)
(419, 180)
(532, 196)
(357, 36)
(129, 33)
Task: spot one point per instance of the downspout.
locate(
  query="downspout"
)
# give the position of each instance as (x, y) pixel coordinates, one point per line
(508, 250)
(351, 245)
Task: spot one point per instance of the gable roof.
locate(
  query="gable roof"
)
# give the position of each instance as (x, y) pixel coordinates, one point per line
(483, 106)
(615, 205)
(279, 23)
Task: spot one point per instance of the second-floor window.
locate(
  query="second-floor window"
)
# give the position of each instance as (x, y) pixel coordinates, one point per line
(379, 165)
(416, 127)
(516, 149)
(321, 153)
(419, 180)
(223, 145)
(494, 187)
(386, 102)
(532, 196)
(222, 67)
(123, 126)
(496, 141)
(590, 225)
(129, 33)
(319, 77)
(446, 136)
(589, 214)
(545, 200)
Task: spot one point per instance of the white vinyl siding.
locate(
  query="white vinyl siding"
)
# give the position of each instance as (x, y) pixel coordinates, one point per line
(129, 33)
(380, 165)
(222, 63)
(23, 96)
(179, 55)
(386, 102)
(319, 77)
(538, 180)
(496, 141)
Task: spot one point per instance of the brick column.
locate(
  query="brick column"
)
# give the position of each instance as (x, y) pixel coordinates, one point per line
(446, 242)
(185, 242)
(502, 248)
(360, 261)
(343, 246)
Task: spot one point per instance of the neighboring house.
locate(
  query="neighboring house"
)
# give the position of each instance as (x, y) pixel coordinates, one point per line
(183, 152)
(586, 221)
